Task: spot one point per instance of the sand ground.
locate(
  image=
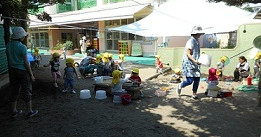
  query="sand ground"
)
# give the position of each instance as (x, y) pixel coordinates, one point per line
(66, 115)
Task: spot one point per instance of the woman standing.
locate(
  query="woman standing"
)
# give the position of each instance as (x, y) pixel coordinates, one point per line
(20, 72)
(190, 64)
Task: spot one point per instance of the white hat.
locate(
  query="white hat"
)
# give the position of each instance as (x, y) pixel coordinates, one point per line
(197, 30)
(18, 32)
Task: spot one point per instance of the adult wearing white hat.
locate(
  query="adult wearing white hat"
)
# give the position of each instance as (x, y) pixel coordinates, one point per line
(83, 45)
(20, 72)
(190, 64)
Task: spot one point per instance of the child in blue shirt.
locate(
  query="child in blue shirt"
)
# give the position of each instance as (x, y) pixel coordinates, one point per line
(68, 76)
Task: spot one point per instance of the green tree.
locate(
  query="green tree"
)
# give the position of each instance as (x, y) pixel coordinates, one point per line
(11, 9)
(236, 2)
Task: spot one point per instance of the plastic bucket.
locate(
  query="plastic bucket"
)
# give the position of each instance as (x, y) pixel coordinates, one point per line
(85, 94)
(100, 94)
(98, 80)
(117, 99)
(205, 60)
(126, 99)
(249, 80)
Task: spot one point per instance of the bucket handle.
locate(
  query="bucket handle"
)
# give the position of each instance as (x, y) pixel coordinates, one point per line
(126, 99)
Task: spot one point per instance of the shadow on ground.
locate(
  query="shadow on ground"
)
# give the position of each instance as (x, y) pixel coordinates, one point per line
(67, 115)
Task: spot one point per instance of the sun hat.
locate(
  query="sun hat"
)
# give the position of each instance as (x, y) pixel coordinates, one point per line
(197, 30)
(98, 59)
(223, 58)
(116, 76)
(212, 74)
(110, 55)
(18, 32)
(69, 60)
(177, 70)
(135, 70)
(258, 55)
(105, 57)
(36, 49)
(55, 55)
(121, 56)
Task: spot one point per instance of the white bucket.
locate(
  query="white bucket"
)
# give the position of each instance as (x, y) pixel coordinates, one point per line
(212, 93)
(100, 94)
(85, 94)
(205, 60)
(116, 99)
(98, 80)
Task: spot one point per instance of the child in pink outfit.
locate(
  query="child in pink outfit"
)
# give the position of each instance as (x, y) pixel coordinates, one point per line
(54, 63)
(212, 80)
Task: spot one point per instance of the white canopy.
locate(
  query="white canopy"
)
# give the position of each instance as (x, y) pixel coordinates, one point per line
(177, 18)
(90, 15)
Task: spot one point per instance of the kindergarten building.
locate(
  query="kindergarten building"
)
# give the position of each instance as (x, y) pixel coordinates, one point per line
(91, 18)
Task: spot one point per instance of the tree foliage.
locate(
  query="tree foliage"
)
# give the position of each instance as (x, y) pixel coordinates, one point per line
(14, 10)
(236, 2)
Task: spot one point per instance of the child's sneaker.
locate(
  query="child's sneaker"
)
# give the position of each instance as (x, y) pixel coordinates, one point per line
(32, 113)
(178, 89)
(194, 97)
(15, 114)
(73, 92)
(64, 91)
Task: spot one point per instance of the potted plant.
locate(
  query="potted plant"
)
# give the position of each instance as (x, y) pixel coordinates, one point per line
(57, 48)
(69, 48)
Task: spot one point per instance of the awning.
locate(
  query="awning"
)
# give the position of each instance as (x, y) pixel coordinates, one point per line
(177, 18)
(90, 15)
(258, 15)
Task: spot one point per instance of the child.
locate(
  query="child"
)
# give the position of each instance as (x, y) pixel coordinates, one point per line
(176, 77)
(111, 62)
(69, 71)
(37, 57)
(212, 81)
(120, 62)
(54, 63)
(99, 66)
(220, 66)
(107, 64)
(135, 78)
(242, 70)
(159, 64)
(257, 65)
(117, 82)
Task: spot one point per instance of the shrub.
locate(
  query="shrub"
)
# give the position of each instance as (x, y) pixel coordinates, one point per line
(58, 46)
(68, 45)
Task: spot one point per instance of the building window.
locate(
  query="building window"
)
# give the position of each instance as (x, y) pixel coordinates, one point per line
(112, 40)
(112, 1)
(66, 36)
(82, 4)
(40, 39)
(67, 6)
(112, 37)
(221, 40)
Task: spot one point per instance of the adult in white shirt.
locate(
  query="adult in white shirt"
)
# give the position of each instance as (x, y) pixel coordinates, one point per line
(83, 46)
(242, 70)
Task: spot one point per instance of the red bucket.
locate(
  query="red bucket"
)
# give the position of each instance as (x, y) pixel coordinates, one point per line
(126, 99)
